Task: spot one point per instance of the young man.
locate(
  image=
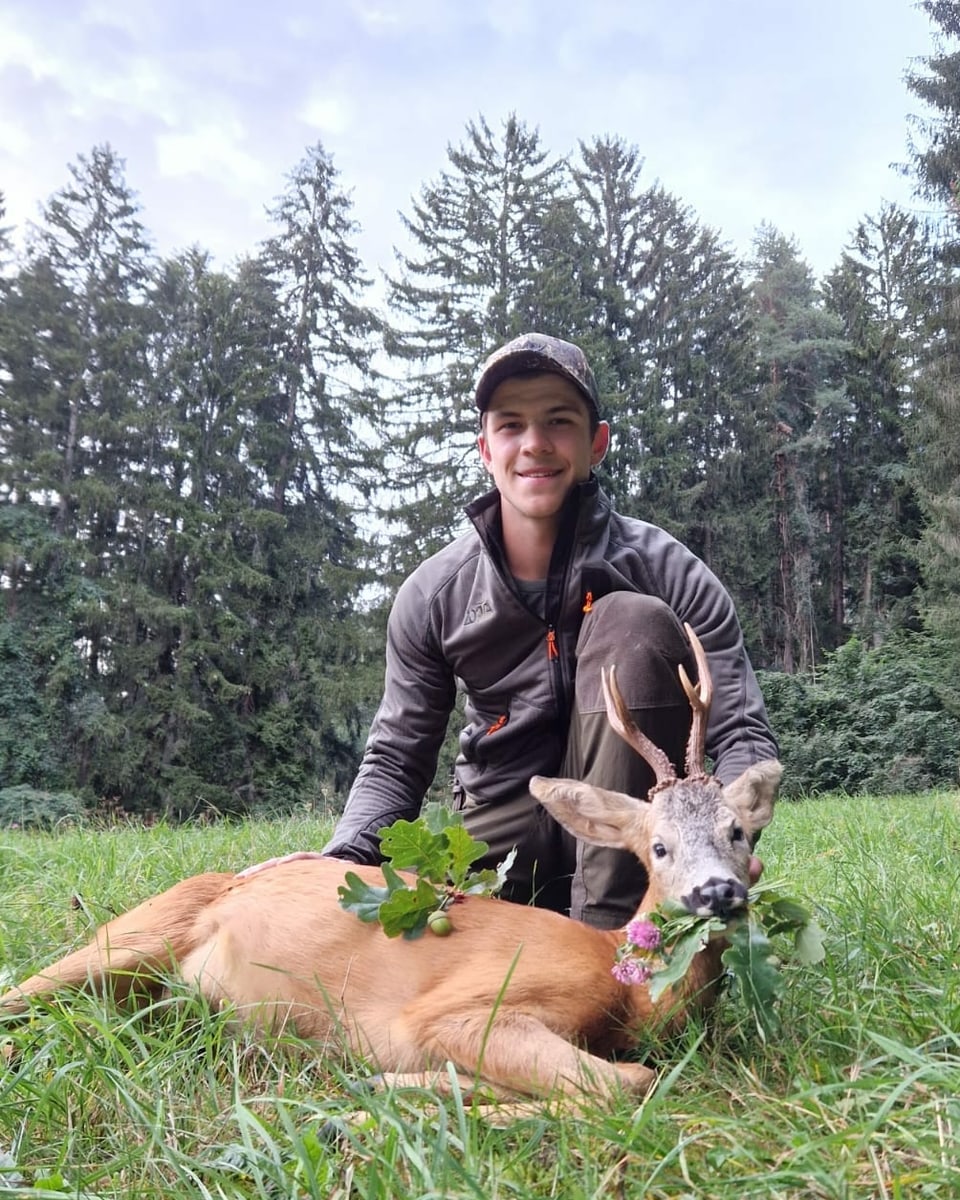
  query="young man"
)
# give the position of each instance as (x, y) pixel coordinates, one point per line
(520, 614)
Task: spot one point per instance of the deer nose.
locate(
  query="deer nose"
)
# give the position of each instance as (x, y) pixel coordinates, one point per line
(716, 898)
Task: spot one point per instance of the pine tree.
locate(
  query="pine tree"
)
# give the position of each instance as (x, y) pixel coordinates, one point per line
(326, 463)
(96, 249)
(238, 677)
(613, 208)
(71, 344)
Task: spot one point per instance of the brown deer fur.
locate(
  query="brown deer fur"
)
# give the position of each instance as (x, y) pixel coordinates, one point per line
(516, 996)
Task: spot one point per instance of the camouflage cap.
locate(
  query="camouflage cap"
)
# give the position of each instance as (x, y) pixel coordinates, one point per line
(538, 352)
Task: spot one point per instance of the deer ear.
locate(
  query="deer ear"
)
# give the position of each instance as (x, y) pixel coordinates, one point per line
(752, 796)
(590, 813)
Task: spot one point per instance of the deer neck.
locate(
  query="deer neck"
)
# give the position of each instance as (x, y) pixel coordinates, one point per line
(700, 986)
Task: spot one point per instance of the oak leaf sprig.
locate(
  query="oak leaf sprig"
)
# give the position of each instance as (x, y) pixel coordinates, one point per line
(441, 852)
(658, 950)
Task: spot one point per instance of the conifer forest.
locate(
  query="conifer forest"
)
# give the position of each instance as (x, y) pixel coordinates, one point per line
(213, 479)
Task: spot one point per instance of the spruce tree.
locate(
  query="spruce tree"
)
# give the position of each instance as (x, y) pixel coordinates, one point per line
(328, 336)
(881, 291)
(72, 347)
(805, 412)
(935, 154)
(483, 238)
(673, 347)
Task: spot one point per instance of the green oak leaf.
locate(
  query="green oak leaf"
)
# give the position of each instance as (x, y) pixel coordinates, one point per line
(365, 899)
(783, 914)
(489, 881)
(750, 957)
(436, 845)
(463, 850)
(808, 944)
(412, 846)
(439, 849)
(407, 909)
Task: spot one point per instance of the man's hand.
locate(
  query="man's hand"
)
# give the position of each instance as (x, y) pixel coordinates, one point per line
(277, 862)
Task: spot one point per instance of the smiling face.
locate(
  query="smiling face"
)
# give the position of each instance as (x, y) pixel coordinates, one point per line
(537, 443)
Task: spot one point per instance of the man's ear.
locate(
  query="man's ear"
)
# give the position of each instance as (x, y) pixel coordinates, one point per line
(601, 444)
(484, 452)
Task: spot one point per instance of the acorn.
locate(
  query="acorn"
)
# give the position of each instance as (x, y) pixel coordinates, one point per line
(439, 923)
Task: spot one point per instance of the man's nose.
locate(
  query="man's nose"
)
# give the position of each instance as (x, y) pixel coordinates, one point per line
(536, 438)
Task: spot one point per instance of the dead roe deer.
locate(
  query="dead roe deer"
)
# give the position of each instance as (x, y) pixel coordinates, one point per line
(518, 997)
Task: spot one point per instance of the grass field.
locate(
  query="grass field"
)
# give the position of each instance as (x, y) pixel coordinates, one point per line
(858, 1097)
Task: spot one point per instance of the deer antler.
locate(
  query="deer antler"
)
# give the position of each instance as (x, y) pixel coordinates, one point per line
(619, 717)
(700, 698)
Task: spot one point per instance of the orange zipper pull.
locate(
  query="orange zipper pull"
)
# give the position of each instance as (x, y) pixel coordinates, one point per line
(588, 602)
(552, 651)
(498, 724)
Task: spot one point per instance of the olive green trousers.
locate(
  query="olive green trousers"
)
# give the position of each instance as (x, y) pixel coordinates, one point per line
(642, 637)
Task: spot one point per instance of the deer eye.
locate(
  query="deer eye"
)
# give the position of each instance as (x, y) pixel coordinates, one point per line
(737, 834)
(659, 850)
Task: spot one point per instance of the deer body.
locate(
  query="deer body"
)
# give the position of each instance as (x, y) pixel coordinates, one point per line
(520, 997)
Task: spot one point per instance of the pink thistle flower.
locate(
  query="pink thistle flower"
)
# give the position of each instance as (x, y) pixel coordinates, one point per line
(643, 934)
(630, 971)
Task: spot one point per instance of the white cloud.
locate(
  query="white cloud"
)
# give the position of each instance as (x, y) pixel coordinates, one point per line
(141, 20)
(212, 149)
(331, 115)
(378, 18)
(19, 49)
(14, 139)
(745, 110)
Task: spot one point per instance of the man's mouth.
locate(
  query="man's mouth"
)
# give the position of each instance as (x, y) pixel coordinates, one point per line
(543, 473)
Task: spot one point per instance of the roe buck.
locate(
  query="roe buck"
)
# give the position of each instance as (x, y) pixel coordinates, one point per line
(518, 997)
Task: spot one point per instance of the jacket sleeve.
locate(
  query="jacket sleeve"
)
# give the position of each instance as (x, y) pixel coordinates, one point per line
(738, 730)
(400, 758)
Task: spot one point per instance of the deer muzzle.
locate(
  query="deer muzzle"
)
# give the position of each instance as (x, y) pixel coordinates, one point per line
(716, 898)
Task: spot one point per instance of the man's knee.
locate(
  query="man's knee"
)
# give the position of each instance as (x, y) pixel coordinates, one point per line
(642, 637)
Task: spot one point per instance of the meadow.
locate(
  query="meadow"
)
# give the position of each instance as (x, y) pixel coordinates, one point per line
(858, 1096)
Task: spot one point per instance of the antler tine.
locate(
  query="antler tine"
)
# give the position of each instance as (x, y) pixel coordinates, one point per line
(620, 720)
(700, 698)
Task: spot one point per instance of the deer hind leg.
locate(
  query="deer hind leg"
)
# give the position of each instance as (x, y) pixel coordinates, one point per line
(131, 952)
(517, 1053)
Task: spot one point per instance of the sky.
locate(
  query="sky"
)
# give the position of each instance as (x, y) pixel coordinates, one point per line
(789, 112)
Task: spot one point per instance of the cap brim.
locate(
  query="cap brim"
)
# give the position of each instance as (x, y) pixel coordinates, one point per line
(516, 363)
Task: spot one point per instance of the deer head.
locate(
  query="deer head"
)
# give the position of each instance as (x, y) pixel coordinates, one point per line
(693, 836)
